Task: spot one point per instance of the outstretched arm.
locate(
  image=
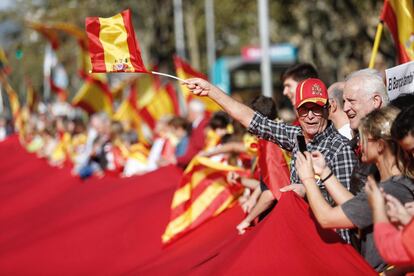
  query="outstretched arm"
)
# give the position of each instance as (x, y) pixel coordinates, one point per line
(235, 109)
(327, 216)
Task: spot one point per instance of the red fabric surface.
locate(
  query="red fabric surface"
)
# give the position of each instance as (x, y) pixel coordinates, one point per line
(195, 144)
(273, 167)
(54, 224)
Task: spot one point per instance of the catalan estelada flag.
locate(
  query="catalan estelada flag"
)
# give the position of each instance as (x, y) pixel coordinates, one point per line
(185, 71)
(112, 44)
(399, 17)
(94, 96)
(203, 193)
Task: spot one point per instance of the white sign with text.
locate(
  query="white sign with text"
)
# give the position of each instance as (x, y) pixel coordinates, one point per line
(400, 80)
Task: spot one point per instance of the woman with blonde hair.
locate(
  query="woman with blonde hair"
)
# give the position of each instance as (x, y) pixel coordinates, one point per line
(354, 211)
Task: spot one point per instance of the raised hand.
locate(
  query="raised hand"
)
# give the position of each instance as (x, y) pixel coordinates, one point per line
(303, 165)
(233, 178)
(319, 163)
(198, 86)
(396, 211)
(299, 189)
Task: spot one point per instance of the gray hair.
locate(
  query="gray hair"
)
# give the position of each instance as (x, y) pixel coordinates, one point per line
(371, 82)
(337, 95)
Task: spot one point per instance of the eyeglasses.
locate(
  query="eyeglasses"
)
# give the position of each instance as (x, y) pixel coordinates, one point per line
(317, 110)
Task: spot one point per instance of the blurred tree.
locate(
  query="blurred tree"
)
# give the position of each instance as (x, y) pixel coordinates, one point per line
(335, 35)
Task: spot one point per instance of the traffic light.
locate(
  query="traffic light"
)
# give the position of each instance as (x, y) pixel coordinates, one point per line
(19, 52)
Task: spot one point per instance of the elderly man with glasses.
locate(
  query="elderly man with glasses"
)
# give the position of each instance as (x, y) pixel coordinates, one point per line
(312, 109)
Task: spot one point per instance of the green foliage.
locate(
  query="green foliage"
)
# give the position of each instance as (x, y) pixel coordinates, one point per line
(335, 35)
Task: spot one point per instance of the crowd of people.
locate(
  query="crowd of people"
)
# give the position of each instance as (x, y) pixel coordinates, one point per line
(349, 153)
(341, 178)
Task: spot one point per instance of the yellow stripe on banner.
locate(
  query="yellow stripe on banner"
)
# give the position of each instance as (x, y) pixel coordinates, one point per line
(184, 193)
(209, 163)
(113, 37)
(196, 209)
(225, 205)
(181, 195)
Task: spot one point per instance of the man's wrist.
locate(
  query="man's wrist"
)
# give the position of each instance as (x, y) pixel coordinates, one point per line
(325, 173)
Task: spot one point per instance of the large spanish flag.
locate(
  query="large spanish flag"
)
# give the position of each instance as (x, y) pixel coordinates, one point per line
(203, 193)
(399, 17)
(185, 71)
(112, 44)
(94, 96)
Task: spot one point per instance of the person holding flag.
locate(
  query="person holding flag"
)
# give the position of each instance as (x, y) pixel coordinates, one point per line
(312, 109)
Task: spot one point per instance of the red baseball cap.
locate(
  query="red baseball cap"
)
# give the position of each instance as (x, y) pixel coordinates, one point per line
(311, 91)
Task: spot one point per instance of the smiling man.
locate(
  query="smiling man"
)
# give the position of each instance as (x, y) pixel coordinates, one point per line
(311, 103)
(364, 91)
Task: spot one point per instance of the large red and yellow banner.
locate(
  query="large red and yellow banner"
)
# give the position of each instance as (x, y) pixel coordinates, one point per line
(203, 193)
(112, 44)
(399, 17)
(185, 71)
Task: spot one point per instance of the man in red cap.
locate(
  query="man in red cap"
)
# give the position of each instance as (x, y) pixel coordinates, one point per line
(312, 110)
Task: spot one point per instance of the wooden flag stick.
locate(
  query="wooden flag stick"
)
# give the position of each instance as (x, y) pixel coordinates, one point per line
(167, 75)
(376, 44)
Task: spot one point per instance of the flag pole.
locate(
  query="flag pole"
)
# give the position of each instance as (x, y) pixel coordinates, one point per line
(377, 40)
(168, 76)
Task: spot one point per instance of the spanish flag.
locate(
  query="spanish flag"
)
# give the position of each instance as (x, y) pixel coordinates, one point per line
(80, 36)
(94, 96)
(31, 96)
(164, 102)
(185, 71)
(399, 17)
(203, 193)
(13, 100)
(274, 166)
(47, 31)
(128, 111)
(4, 63)
(112, 44)
(153, 99)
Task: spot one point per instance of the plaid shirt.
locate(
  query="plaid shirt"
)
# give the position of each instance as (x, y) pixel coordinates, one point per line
(339, 156)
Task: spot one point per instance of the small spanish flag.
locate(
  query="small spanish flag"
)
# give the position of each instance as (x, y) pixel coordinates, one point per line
(112, 44)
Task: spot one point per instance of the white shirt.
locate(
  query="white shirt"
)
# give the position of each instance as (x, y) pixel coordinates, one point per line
(346, 131)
